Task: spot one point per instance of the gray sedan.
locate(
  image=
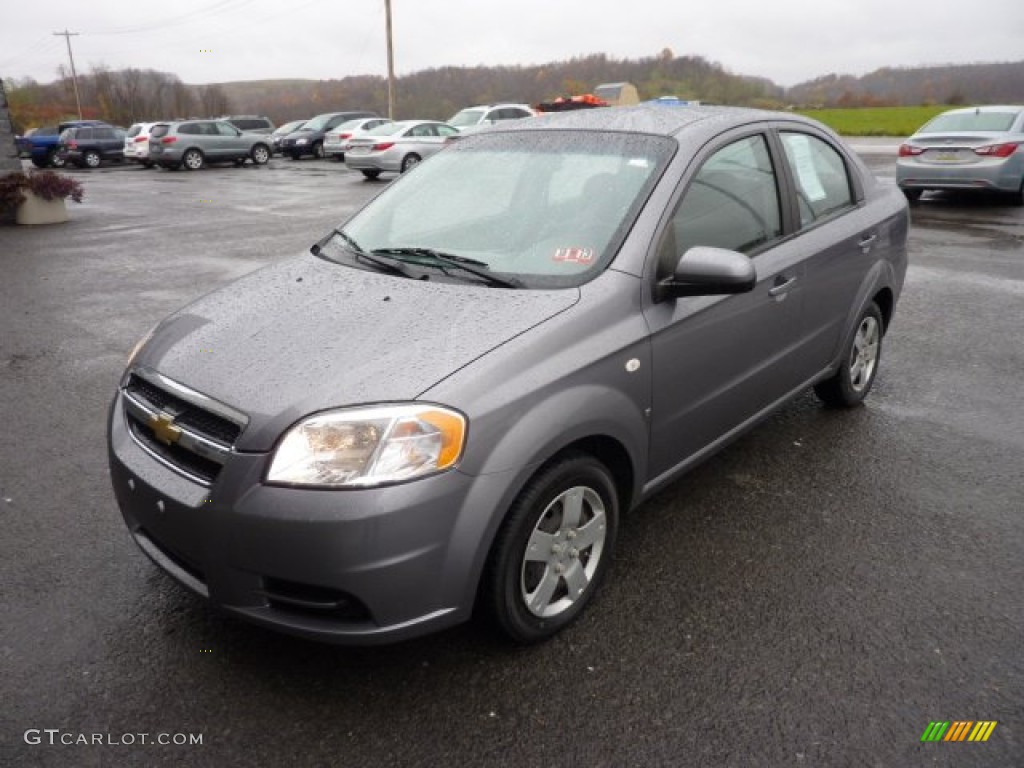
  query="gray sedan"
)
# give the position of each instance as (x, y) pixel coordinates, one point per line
(397, 147)
(448, 404)
(978, 148)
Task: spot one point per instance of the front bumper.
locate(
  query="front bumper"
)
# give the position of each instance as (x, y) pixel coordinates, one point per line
(355, 566)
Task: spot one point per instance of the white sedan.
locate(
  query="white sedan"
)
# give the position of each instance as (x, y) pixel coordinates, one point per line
(336, 140)
(397, 147)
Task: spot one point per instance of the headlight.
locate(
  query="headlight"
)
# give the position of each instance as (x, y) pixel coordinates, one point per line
(300, 141)
(362, 447)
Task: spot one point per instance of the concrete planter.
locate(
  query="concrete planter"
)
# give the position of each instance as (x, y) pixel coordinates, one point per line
(35, 210)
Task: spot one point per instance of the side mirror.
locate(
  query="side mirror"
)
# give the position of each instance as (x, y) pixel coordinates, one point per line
(706, 271)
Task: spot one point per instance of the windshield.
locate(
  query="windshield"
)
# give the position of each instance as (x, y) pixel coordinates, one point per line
(387, 129)
(317, 123)
(547, 208)
(467, 117)
(971, 121)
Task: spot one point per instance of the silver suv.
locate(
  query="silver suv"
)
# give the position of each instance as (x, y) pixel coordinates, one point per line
(194, 143)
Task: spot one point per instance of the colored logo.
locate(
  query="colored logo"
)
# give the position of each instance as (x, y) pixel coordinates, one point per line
(959, 730)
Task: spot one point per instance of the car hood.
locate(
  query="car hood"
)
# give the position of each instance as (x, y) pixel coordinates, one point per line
(307, 334)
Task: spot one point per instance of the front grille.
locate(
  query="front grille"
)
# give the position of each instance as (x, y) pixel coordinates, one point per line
(185, 413)
(183, 429)
(181, 458)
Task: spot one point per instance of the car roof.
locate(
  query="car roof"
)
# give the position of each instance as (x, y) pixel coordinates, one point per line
(650, 118)
(985, 108)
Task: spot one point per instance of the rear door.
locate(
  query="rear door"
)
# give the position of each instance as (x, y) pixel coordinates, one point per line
(842, 239)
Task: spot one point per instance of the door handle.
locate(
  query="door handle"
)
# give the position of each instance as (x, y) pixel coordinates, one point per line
(865, 242)
(781, 286)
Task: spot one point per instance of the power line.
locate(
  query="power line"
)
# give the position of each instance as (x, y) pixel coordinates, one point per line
(74, 75)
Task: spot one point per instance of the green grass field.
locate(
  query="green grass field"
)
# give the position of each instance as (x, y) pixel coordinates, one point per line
(875, 121)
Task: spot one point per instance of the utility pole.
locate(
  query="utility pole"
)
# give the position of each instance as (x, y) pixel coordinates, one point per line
(74, 75)
(391, 62)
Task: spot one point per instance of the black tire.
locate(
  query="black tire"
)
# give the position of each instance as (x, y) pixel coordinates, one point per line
(534, 568)
(192, 160)
(1017, 198)
(147, 163)
(239, 162)
(260, 154)
(913, 195)
(851, 383)
(91, 159)
(410, 161)
(371, 174)
(54, 160)
(44, 163)
(294, 155)
(318, 150)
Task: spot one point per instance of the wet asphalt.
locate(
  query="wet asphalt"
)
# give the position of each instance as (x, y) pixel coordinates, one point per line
(814, 595)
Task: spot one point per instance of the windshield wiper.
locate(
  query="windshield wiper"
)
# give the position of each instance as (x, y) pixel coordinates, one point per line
(392, 265)
(440, 259)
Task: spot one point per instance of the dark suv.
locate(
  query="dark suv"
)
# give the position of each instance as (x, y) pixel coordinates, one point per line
(87, 146)
(251, 123)
(41, 144)
(309, 139)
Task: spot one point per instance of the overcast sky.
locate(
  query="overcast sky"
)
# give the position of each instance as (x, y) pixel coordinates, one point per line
(787, 41)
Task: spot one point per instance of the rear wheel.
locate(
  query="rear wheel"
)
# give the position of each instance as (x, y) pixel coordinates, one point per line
(852, 382)
(192, 159)
(913, 195)
(54, 159)
(1017, 198)
(553, 549)
(371, 174)
(260, 154)
(409, 161)
(318, 150)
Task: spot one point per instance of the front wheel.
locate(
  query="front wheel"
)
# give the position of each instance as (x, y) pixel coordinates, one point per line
(318, 150)
(192, 159)
(260, 154)
(553, 549)
(852, 382)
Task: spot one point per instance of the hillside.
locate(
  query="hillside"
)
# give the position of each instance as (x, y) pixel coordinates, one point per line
(999, 83)
(131, 95)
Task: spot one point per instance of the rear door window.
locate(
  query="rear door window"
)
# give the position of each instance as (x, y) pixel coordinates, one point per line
(821, 177)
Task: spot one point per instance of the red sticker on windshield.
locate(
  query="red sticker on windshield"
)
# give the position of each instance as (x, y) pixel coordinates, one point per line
(575, 255)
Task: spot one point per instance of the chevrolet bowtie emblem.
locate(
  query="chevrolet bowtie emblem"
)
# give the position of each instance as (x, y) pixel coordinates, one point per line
(164, 428)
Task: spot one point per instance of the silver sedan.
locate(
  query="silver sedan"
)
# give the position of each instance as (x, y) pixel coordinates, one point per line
(397, 147)
(966, 149)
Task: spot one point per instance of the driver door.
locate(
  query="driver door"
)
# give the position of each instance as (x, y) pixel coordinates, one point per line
(719, 361)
